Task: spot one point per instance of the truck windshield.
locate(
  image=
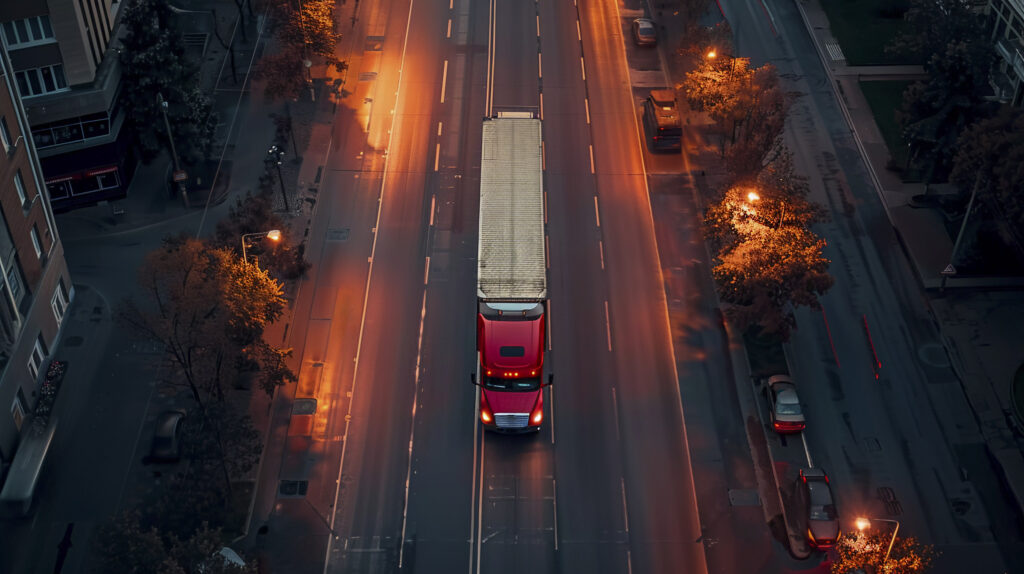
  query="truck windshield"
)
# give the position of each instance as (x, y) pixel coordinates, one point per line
(513, 385)
(512, 311)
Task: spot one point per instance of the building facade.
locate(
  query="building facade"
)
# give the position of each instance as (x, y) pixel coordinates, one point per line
(68, 74)
(1008, 37)
(35, 290)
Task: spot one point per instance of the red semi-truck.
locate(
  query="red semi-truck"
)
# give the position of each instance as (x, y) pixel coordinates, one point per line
(511, 275)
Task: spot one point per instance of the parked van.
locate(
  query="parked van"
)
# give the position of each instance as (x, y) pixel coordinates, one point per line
(662, 123)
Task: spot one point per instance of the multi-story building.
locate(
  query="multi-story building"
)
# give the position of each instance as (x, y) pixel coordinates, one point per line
(35, 289)
(1008, 36)
(69, 76)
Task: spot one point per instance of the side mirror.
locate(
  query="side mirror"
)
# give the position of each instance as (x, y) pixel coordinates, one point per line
(472, 379)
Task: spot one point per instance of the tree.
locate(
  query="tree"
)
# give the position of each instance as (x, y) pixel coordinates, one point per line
(991, 153)
(208, 309)
(301, 35)
(124, 544)
(223, 441)
(767, 261)
(935, 112)
(933, 24)
(757, 132)
(864, 550)
(153, 58)
(255, 214)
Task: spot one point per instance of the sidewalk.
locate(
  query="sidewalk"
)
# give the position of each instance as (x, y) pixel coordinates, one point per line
(979, 325)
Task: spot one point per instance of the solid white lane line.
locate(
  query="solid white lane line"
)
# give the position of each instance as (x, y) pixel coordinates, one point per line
(437, 155)
(412, 429)
(586, 106)
(615, 406)
(625, 510)
(807, 452)
(433, 200)
(426, 271)
(480, 504)
(551, 400)
(366, 298)
(608, 324)
(597, 214)
(554, 507)
(449, 34)
(549, 324)
(591, 158)
(583, 68)
(476, 437)
(600, 247)
(444, 80)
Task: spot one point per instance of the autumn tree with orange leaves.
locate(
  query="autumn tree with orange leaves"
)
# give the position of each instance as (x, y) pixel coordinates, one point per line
(865, 551)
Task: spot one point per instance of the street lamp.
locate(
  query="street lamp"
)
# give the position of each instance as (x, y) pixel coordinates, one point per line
(274, 155)
(865, 523)
(273, 235)
(179, 176)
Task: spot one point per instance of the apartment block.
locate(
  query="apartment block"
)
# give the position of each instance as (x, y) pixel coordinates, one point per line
(1007, 17)
(68, 73)
(36, 290)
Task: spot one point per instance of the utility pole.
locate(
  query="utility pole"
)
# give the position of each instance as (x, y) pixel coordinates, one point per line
(951, 269)
(179, 175)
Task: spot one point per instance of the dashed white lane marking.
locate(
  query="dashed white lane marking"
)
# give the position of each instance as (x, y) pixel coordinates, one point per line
(444, 80)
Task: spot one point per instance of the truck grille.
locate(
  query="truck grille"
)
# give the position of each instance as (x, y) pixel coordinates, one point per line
(511, 420)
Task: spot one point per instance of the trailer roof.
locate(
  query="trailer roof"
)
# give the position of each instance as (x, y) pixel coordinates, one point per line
(510, 264)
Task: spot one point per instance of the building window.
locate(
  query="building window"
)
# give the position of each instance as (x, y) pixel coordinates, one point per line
(14, 283)
(18, 409)
(77, 129)
(5, 134)
(28, 32)
(19, 184)
(35, 242)
(59, 301)
(59, 189)
(37, 357)
(39, 81)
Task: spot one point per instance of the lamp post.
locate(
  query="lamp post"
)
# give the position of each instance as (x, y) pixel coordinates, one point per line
(273, 235)
(274, 155)
(865, 523)
(179, 175)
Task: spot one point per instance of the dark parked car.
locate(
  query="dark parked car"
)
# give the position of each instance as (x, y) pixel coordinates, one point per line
(167, 437)
(822, 517)
(644, 32)
(784, 405)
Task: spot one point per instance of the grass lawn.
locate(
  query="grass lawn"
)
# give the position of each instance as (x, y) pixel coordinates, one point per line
(885, 97)
(865, 27)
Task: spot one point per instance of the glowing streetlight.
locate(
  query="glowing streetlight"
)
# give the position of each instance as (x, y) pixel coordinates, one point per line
(865, 523)
(273, 235)
(753, 196)
(712, 54)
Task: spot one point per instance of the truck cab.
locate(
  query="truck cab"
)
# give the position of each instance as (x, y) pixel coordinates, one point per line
(510, 341)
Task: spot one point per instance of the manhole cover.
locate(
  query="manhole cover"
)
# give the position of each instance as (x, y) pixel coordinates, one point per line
(745, 497)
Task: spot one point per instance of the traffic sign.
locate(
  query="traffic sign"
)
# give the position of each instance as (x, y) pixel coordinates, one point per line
(180, 175)
(949, 271)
